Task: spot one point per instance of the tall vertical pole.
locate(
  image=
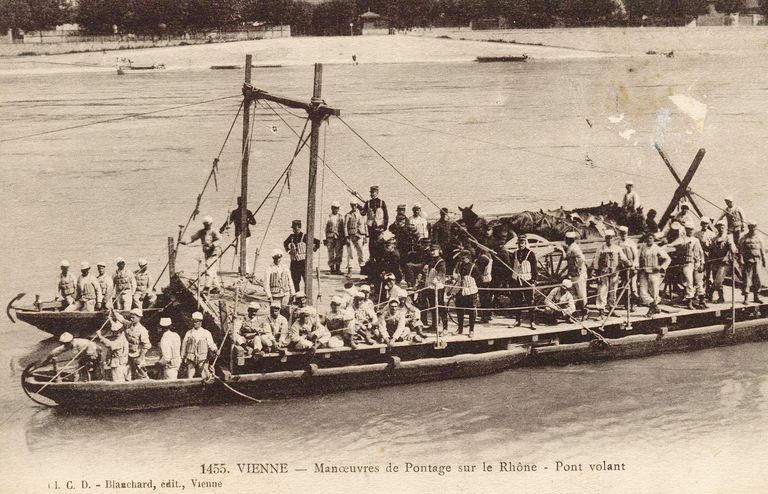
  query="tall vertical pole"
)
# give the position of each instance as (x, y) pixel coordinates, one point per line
(244, 173)
(314, 146)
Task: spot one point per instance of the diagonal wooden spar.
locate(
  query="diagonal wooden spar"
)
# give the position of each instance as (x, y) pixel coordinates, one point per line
(674, 173)
(682, 189)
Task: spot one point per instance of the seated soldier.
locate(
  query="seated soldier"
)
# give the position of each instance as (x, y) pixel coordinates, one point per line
(560, 304)
(306, 333)
(412, 316)
(275, 323)
(390, 289)
(349, 293)
(365, 290)
(246, 331)
(334, 318)
(364, 323)
(393, 327)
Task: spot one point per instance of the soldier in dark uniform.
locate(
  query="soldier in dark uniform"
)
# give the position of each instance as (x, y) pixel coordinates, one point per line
(296, 246)
(524, 274)
(377, 220)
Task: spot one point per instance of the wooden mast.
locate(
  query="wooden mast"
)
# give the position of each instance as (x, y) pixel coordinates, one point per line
(244, 170)
(314, 146)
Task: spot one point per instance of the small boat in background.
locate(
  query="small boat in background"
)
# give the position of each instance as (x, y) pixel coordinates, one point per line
(124, 64)
(225, 67)
(520, 58)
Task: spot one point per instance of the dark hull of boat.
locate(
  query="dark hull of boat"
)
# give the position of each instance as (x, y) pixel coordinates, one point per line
(502, 59)
(77, 323)
(118, 397)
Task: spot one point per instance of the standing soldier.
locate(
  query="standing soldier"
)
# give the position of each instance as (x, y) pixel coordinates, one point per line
(692, 260)
(296, 246)
(442, 233)
(89, 355)
(334, 238)
(195, 347)
(138, 342)
(377, 220)
(577, 271)
(170, 349)
(125, 285)
(277, 280)
(209, 240)
(143, 284)
(234, 219)
(434, 289)
(608, 261)
(630, 252)
(751, 251)
(419, 222)
(107, 286)
(734, 215)
(354, 227)
(524, 275)
(88, 291)
(466, 275)
(652, 262)
(117, 352)
(67, 286)
(721, 254)
(485, 267)
(631, 199)
(706, 236)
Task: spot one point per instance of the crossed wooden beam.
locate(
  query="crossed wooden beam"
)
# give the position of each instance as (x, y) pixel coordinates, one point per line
(682, 184)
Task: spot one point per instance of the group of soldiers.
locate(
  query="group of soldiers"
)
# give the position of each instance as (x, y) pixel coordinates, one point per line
(119, 354)
(124, 289)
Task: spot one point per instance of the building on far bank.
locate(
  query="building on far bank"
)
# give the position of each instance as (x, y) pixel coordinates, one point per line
(749, 16)
(373, 23)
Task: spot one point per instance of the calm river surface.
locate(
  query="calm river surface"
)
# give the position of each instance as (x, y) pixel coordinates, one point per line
(505, 137)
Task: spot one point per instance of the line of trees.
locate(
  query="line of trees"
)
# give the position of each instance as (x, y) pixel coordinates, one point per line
(332, 17)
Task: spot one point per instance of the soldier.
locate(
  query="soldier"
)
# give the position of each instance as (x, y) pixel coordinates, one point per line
(630, 252)
(652, 263)
(356, 235)
(608, 261)
(377, 220)
(692, 260)
(524, 275)
(209, 240)
(389, 259)
(685, 215)
(631, 199)
(107, 286)
(195, 346)
(367, 302)
(419, 222)
(559, 303)
(734, 215)
(255, 333)
(706, 236)
(365, 323)
(67, 286)
(751, 251)
(278, 282)
(234, 219)
(334, 319)
(275, 323)
(392, 324)
(296, 246)
(335, 238)
(467, 276)
(442, 232)
(125, 285)
(88, 295)
(143, 285)
(89, 355)
(721, 255)
(306, 333)
(138, 342)
(577, 271)
(170, 349)
(484, 264)
(116, 361)
(651, 225)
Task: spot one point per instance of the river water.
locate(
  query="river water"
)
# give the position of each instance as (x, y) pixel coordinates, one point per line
(503, 137)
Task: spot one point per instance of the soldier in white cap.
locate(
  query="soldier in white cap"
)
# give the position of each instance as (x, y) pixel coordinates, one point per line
(685, 215)
(608, 261)
(752, 252)
(692, 267)
(296, 246)
(66, 288)
(335, 238)
(88, 354)
(722, 253)
(195, 347)
(107, 286)
(577, 271)
(143, 284)
(559, 304)
(630, 249)
(276, 323)
(125, 285)
(377, 220)
(116, 361)
(170, 349)
(89, 294)
(334, 318)
(631, 199)
(278, 282)
(419, 222)
(209, 240)
(653, 261)
(734, 215)
(138, 342)
(356, 234)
